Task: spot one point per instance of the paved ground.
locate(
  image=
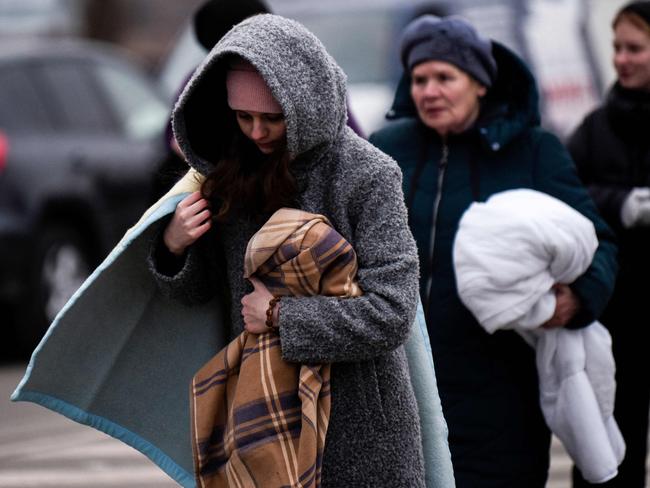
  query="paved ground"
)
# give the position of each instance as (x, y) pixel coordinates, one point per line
(39, 448)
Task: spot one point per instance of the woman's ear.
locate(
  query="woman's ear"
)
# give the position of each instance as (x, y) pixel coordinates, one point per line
(481, 90)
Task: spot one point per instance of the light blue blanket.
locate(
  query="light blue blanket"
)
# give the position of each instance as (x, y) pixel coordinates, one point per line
(120, 357)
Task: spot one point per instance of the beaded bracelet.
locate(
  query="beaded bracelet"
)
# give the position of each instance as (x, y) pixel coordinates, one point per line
(269, 313)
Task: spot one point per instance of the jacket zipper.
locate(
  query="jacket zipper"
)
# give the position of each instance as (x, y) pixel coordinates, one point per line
(442, 167)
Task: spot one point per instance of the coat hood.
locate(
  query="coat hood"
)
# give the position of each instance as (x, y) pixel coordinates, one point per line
(510, 107)
(304, 79)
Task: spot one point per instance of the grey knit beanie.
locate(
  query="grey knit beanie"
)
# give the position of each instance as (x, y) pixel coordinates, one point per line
(450, 39)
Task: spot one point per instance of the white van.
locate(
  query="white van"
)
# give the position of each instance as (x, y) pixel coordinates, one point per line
(565, 42)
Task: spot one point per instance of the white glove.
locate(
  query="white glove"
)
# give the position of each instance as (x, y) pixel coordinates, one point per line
(635, 210)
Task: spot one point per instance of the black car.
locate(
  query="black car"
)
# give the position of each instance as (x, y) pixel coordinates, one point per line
(81, 132)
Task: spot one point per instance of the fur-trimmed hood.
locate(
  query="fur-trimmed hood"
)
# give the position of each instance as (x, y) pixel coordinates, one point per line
(305, 80)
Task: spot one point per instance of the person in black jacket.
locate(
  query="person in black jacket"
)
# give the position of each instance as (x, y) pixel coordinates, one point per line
(612, 151)
(467, 128)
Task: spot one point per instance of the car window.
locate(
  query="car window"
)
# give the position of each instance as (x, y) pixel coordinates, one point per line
(21, 107)
(76, 102)
(142, 114)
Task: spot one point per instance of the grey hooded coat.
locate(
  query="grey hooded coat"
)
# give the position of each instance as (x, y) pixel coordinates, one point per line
(374, 436)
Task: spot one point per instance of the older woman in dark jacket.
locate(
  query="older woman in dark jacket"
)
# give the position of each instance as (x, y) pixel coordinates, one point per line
(612, 152)
(468, 128)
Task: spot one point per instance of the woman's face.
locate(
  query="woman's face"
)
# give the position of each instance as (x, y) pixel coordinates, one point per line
(446, 98)
(632, 56)
(267, 130)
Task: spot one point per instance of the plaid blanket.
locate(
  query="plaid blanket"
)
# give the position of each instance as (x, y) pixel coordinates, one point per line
(258, 420)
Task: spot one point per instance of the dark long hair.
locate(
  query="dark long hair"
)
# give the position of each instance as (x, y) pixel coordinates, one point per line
(245, 182)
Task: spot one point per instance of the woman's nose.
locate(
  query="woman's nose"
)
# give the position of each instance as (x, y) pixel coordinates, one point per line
(259, 130)
(620, 57)
(432, 89)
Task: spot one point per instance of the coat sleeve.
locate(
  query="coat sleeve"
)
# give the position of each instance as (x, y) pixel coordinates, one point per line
(608, 198)
(190, 279)
(555, 174)
(328, 329)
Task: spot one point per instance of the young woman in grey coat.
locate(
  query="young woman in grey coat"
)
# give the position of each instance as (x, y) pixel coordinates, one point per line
(296, 151)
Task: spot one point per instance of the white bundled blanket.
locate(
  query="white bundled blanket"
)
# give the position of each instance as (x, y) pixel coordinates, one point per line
(508, 254)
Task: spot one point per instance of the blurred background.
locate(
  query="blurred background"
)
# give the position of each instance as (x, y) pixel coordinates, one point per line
(86, 90)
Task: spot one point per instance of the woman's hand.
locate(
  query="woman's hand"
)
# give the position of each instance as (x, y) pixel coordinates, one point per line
(190, 221)
(567, 305)
(254, 307)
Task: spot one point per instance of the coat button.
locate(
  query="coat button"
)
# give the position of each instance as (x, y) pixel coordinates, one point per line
(496, 146)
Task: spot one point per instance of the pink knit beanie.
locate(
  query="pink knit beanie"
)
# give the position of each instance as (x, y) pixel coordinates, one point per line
(248, 91)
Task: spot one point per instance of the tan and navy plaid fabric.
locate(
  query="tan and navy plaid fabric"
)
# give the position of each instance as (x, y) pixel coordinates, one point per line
(257, 420)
